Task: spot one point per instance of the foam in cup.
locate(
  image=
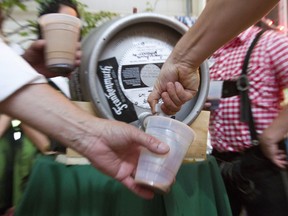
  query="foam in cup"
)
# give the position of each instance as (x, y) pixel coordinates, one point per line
(61, 32)
(158, 171)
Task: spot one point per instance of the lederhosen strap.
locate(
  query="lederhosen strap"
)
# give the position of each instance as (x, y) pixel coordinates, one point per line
(243, 88)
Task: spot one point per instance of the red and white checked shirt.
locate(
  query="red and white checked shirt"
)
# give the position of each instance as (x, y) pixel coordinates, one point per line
(268, 76)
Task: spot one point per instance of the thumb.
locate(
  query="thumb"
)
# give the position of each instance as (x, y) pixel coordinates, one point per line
(152, 143)
(153, 99)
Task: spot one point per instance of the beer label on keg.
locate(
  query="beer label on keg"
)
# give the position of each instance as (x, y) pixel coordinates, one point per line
(140, 66)
(121, 108)
(137, 82)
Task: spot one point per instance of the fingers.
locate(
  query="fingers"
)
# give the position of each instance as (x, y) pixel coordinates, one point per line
(184, 93)
(78, 46)
(207, 106)
(34, 52)
(169, 107)
(38, 44)
(174, 92)
(78, 55)
(141, 191)
(175, 87)
(154, 144)
(78, 58)
(278, 157)
(153, 99)
(281, 159)
(175, 97)
(282, 164)
(148, 141)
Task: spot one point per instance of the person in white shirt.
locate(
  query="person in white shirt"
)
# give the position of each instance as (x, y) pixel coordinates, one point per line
(113, 147)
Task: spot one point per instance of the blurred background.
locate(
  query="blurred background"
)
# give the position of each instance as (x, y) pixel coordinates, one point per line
(20, 16)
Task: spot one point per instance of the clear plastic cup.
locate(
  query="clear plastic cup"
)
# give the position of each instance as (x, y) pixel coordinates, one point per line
(158, 171)
(61, 32)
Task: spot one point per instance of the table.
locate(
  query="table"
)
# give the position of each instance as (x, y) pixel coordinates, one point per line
(56, 189)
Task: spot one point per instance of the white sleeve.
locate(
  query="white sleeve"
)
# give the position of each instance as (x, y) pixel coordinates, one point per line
(15, 72)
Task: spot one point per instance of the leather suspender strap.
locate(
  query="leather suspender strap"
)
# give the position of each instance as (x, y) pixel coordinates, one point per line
(243, 87)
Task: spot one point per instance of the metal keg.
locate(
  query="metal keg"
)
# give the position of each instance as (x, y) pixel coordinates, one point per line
(121, 60)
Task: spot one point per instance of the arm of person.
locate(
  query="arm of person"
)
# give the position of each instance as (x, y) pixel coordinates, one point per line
(38, 139)
(112, 146)
(272, 135)
(5, 122)
(34, 55)
(220, 21)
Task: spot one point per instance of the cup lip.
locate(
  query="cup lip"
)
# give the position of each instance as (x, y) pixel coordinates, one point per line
(187, 131)
(49, 18)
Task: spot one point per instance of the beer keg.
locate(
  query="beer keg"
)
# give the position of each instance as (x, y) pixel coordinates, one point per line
(121, 60)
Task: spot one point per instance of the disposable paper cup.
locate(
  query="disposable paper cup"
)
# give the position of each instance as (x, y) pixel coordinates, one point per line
(61, 32)
(158, 171)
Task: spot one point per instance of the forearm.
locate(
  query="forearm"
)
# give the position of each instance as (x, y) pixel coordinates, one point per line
(220, 21)
(50, 112)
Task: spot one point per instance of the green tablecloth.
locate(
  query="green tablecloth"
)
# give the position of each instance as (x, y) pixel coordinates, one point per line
(56, 189)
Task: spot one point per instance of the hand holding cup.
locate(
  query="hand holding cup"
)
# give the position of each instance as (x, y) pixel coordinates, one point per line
(158, 171)
(61, 33)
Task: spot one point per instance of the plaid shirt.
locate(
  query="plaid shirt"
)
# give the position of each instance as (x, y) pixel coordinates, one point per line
(268, 76)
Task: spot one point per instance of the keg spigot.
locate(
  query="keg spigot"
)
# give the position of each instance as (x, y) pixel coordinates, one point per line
(143, 116)
(142, 120)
